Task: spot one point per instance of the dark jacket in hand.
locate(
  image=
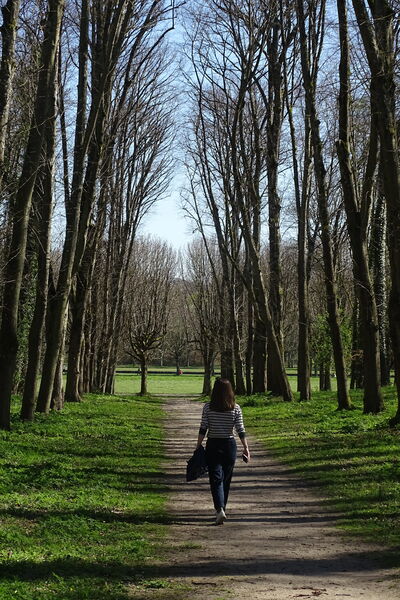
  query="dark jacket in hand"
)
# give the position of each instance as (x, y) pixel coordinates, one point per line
(196, 466)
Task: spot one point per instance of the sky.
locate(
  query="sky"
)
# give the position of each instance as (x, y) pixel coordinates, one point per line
(167, 221)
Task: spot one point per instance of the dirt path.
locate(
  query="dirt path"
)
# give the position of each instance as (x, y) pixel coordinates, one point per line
(278, 543)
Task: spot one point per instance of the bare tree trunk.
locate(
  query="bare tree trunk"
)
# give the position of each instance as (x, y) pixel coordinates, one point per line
(76, 338)
(249, 347)
(302, 203)
(208, 359)
(206, 391)
(71, 265)
(303, 359)
(274, 123)
(377, 254)
(249, 219)
(325, 377)
(57, 396)
(78, 313)
(58, 305)
(378, 39)
(225, 338)
(79, 205)
(8, 32)
(237, 353)
(91, 339)
(143, 377)
(257, 291)
(43, 209)
(357, 222)
(263, 315)
(320, 173)
(259, 383)
(357, 371)
(21, 209)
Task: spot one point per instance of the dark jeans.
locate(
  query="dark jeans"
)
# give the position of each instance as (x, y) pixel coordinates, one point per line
(220, 458)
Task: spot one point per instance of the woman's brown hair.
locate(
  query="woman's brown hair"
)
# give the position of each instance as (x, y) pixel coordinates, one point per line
(222, 396)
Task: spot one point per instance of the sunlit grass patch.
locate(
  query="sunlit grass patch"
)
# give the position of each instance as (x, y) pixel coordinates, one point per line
(160, 384)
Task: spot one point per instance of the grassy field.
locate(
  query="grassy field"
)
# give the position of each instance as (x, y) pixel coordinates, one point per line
(180, 385)
(355, 458)
(160, 384)
(82, 511)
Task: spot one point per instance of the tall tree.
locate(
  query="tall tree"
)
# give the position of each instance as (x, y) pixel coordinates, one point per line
(309, 82)
(357, 223)
(302, 193)
(376, 24)
(22, 204)
(43, 199)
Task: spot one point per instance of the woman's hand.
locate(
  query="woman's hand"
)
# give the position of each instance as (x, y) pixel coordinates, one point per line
(246, 453)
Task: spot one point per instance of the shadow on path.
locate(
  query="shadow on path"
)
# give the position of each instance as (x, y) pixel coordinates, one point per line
(278, 532)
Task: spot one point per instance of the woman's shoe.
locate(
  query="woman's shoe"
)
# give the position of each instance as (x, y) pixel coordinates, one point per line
(221, 517)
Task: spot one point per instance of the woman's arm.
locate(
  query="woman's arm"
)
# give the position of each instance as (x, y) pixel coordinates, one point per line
(200, 439)
(246, 450)
(239, 425)
(203, 425)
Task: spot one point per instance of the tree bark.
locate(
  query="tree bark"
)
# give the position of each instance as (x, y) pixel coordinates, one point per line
(143, 377)
(265, 317)
(357, 371)
(249, 347)
(208, 359)
(43, 210)
(8, 32)
(57, 396)
(377, 254)
(21, 210)
(325, 377)
(78, 315)
(249, 217)
(302, 202)
(237, 353)
(357, 228)
(259, 383)
(72, 393)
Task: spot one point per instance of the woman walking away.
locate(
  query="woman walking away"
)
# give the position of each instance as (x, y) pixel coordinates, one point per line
(220, 416)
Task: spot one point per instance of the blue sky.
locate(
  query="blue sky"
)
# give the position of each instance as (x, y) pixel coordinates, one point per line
(167, 222)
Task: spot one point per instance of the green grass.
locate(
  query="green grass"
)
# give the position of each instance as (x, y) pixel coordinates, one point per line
(354, 458)
(167, 368)
(180, 385)
(160, 384)
(82, 512)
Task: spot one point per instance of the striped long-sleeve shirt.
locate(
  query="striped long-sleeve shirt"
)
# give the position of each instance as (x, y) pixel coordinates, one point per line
(221, 424)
